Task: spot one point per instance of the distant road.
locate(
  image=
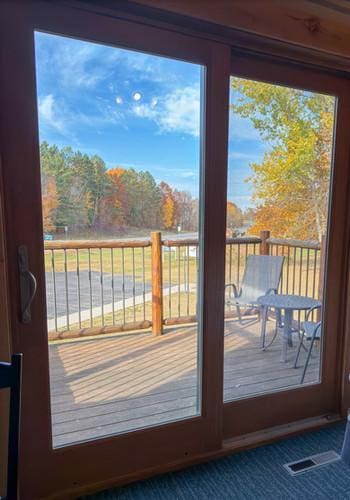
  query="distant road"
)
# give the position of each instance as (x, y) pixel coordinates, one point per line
(64, 297)
(68, 291)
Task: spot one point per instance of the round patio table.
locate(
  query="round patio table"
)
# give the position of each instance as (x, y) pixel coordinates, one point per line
(289, 303)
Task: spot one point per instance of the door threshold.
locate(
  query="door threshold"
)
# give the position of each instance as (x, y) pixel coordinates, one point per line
(229, 446)
(266, 436)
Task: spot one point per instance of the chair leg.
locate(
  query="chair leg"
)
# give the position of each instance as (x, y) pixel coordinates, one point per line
(263, 327)
(299, 348)
(279, 318)
(307, 359)
(239, 314)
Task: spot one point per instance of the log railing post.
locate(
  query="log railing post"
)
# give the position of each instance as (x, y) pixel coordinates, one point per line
(157, 283)
(264, 244)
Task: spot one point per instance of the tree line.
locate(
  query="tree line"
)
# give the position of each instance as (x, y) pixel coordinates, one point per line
(81, 193)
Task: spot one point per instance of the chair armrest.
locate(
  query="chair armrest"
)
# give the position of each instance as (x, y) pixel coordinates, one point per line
(235, 291)
(271, 290)
(309, 311)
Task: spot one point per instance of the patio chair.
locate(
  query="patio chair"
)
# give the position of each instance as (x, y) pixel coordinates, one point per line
(311, 331)
(262, 275)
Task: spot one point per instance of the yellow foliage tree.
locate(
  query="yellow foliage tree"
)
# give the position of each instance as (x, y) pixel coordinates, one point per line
(49, 201)
(168, 206)
(291, 185)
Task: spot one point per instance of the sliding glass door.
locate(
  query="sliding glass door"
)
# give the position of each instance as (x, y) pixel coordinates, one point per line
(280, 343)
(161, 309)
(120, 143)
(110, 158)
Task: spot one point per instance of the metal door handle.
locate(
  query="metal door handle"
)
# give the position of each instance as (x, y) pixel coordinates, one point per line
(27, 284)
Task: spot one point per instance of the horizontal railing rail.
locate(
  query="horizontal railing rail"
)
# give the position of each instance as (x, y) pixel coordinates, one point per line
(310, 244)
(86, 244)
(96, 287)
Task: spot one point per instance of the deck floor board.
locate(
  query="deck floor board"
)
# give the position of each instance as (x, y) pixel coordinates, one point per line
(110, 385)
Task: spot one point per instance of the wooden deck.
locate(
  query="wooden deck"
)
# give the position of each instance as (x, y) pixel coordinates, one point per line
(114, 384)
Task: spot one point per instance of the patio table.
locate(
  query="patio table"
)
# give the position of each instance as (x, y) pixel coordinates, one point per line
(288, 303)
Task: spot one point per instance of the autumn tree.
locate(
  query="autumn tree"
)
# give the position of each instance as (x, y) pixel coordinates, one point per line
(54, 165)
(143, 199)
(94, 184)
(186, 213)
(168, 206)
(81, 193)
(234, 218)
(248, 216)
(49, 201)
(81, 183)
(115, 200)
(150, 201)
(291, 184)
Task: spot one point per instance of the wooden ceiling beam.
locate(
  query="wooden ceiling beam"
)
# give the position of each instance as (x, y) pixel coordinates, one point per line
(319, 24)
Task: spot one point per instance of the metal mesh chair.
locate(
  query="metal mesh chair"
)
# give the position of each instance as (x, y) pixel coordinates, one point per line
(262, 275)
(311, 331)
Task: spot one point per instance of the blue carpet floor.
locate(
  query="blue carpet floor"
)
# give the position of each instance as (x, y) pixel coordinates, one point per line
(252, 474)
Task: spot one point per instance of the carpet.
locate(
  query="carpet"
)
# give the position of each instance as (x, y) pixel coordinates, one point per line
(252, 474)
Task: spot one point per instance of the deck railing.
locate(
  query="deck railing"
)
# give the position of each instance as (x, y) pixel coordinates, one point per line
(98, 287)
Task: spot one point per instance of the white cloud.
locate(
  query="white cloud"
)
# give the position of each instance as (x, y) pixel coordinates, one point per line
(74, 69)
(242, 198)
(188, 173)
(176, 111)
(60, 117)
(237, 155)
(72, 63)
(81, 72)
(148, 67)
(79, 64)
(48, 114)
(182, 111)
(145, 111)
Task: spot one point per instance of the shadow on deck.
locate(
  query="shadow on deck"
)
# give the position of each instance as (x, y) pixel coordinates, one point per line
(114, 384)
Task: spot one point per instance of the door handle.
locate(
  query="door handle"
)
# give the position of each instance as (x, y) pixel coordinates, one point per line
(27, 284)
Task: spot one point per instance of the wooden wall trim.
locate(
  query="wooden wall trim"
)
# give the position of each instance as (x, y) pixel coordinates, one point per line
(5, 346)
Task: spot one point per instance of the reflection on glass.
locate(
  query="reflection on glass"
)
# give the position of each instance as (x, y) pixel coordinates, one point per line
(280, 158)
(120, 159)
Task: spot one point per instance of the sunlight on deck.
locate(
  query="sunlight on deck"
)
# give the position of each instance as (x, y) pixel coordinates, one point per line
(109, 385)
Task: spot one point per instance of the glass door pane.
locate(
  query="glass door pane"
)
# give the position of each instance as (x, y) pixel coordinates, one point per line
(120, 161)
(279, 173)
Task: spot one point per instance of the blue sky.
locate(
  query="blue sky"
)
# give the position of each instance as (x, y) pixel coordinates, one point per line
(133, 110)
